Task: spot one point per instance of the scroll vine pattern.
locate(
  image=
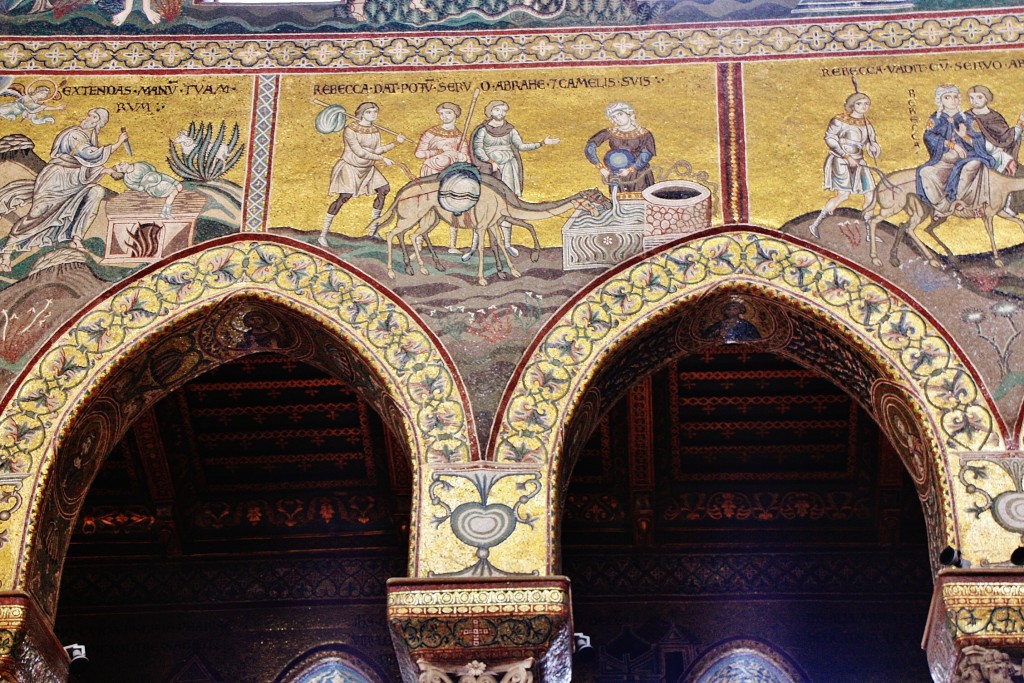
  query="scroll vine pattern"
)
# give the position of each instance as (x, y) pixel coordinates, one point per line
(391, 340)
(551, 383)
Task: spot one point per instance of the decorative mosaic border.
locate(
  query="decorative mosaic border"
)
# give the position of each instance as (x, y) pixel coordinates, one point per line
(406, 601)
(993, 611)
(990, 594)
(975, 607)
(546, 391)
(457, 50)
(547, 388)
(262, 134)
(407, 356)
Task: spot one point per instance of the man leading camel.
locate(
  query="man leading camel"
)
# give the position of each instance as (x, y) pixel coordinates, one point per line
(496, 148)
(355, 173)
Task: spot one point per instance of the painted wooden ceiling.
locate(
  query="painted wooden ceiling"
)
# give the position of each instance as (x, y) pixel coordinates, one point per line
(268, 455)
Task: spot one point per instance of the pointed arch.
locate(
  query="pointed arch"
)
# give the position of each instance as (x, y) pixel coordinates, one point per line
(171, 323)
(913, 374)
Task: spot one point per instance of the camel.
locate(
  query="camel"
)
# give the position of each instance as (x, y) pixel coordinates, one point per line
(897, 192)
(416, 210)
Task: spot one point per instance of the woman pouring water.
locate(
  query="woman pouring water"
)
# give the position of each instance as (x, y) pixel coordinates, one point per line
(626, 165)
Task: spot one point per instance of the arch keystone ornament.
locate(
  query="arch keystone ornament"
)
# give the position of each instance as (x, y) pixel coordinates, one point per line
(233, 293)
(903, 345)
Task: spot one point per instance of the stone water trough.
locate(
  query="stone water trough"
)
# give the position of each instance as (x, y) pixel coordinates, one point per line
(668, 210)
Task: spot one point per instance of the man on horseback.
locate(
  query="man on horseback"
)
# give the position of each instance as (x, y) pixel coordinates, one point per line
(1001, 140)
(968, 175)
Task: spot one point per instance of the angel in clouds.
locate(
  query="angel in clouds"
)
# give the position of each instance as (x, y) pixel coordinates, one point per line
(31, 102)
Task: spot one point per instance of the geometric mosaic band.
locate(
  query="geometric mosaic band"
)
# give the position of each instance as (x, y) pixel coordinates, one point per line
(454, 50)
(408, 601)
(262, 138)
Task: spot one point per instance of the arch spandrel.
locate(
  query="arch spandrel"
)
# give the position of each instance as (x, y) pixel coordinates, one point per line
(40, 413)
(553, 387)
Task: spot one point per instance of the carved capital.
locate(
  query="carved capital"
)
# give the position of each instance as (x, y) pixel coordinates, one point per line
(482, 631)
(29, 650)
(984, 665)
(476, 672)
(976, 616)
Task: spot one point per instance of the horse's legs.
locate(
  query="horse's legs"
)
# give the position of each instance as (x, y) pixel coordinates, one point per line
(901, 232)
(499, 268)
(416, 234)
(391, 268)
(430, 245)
(499, 244)
(414, 240)
(478, 233)
(873, 222)
(472, 247)
(1004, 213)
(991, 230)
(930, 229)
(917, 212)
(405, 253)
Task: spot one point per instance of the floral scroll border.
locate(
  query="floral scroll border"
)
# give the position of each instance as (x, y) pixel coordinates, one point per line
(407, 356)
(988, 611)
(527, 48)
(545, 393)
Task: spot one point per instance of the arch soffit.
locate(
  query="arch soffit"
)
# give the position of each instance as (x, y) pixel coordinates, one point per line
(52, 391)
(750, 657)
(322, 663)
(919, 357)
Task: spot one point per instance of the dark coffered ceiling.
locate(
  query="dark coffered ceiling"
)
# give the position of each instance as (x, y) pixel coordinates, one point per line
(260, 455)
(749, 449)
(265, 455)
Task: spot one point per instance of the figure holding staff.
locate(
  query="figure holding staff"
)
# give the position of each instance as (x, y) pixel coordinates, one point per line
(355, 174)
(443, 145)
(850, 138)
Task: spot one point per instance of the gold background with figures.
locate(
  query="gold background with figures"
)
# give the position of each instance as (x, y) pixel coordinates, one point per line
(688, 131)
(786, 121)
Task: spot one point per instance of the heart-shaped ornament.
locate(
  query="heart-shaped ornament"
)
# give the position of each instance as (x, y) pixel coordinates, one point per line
(1008, 510)
(483, 526)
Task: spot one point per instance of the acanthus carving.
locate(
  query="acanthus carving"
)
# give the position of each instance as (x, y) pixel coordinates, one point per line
(476, 672)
